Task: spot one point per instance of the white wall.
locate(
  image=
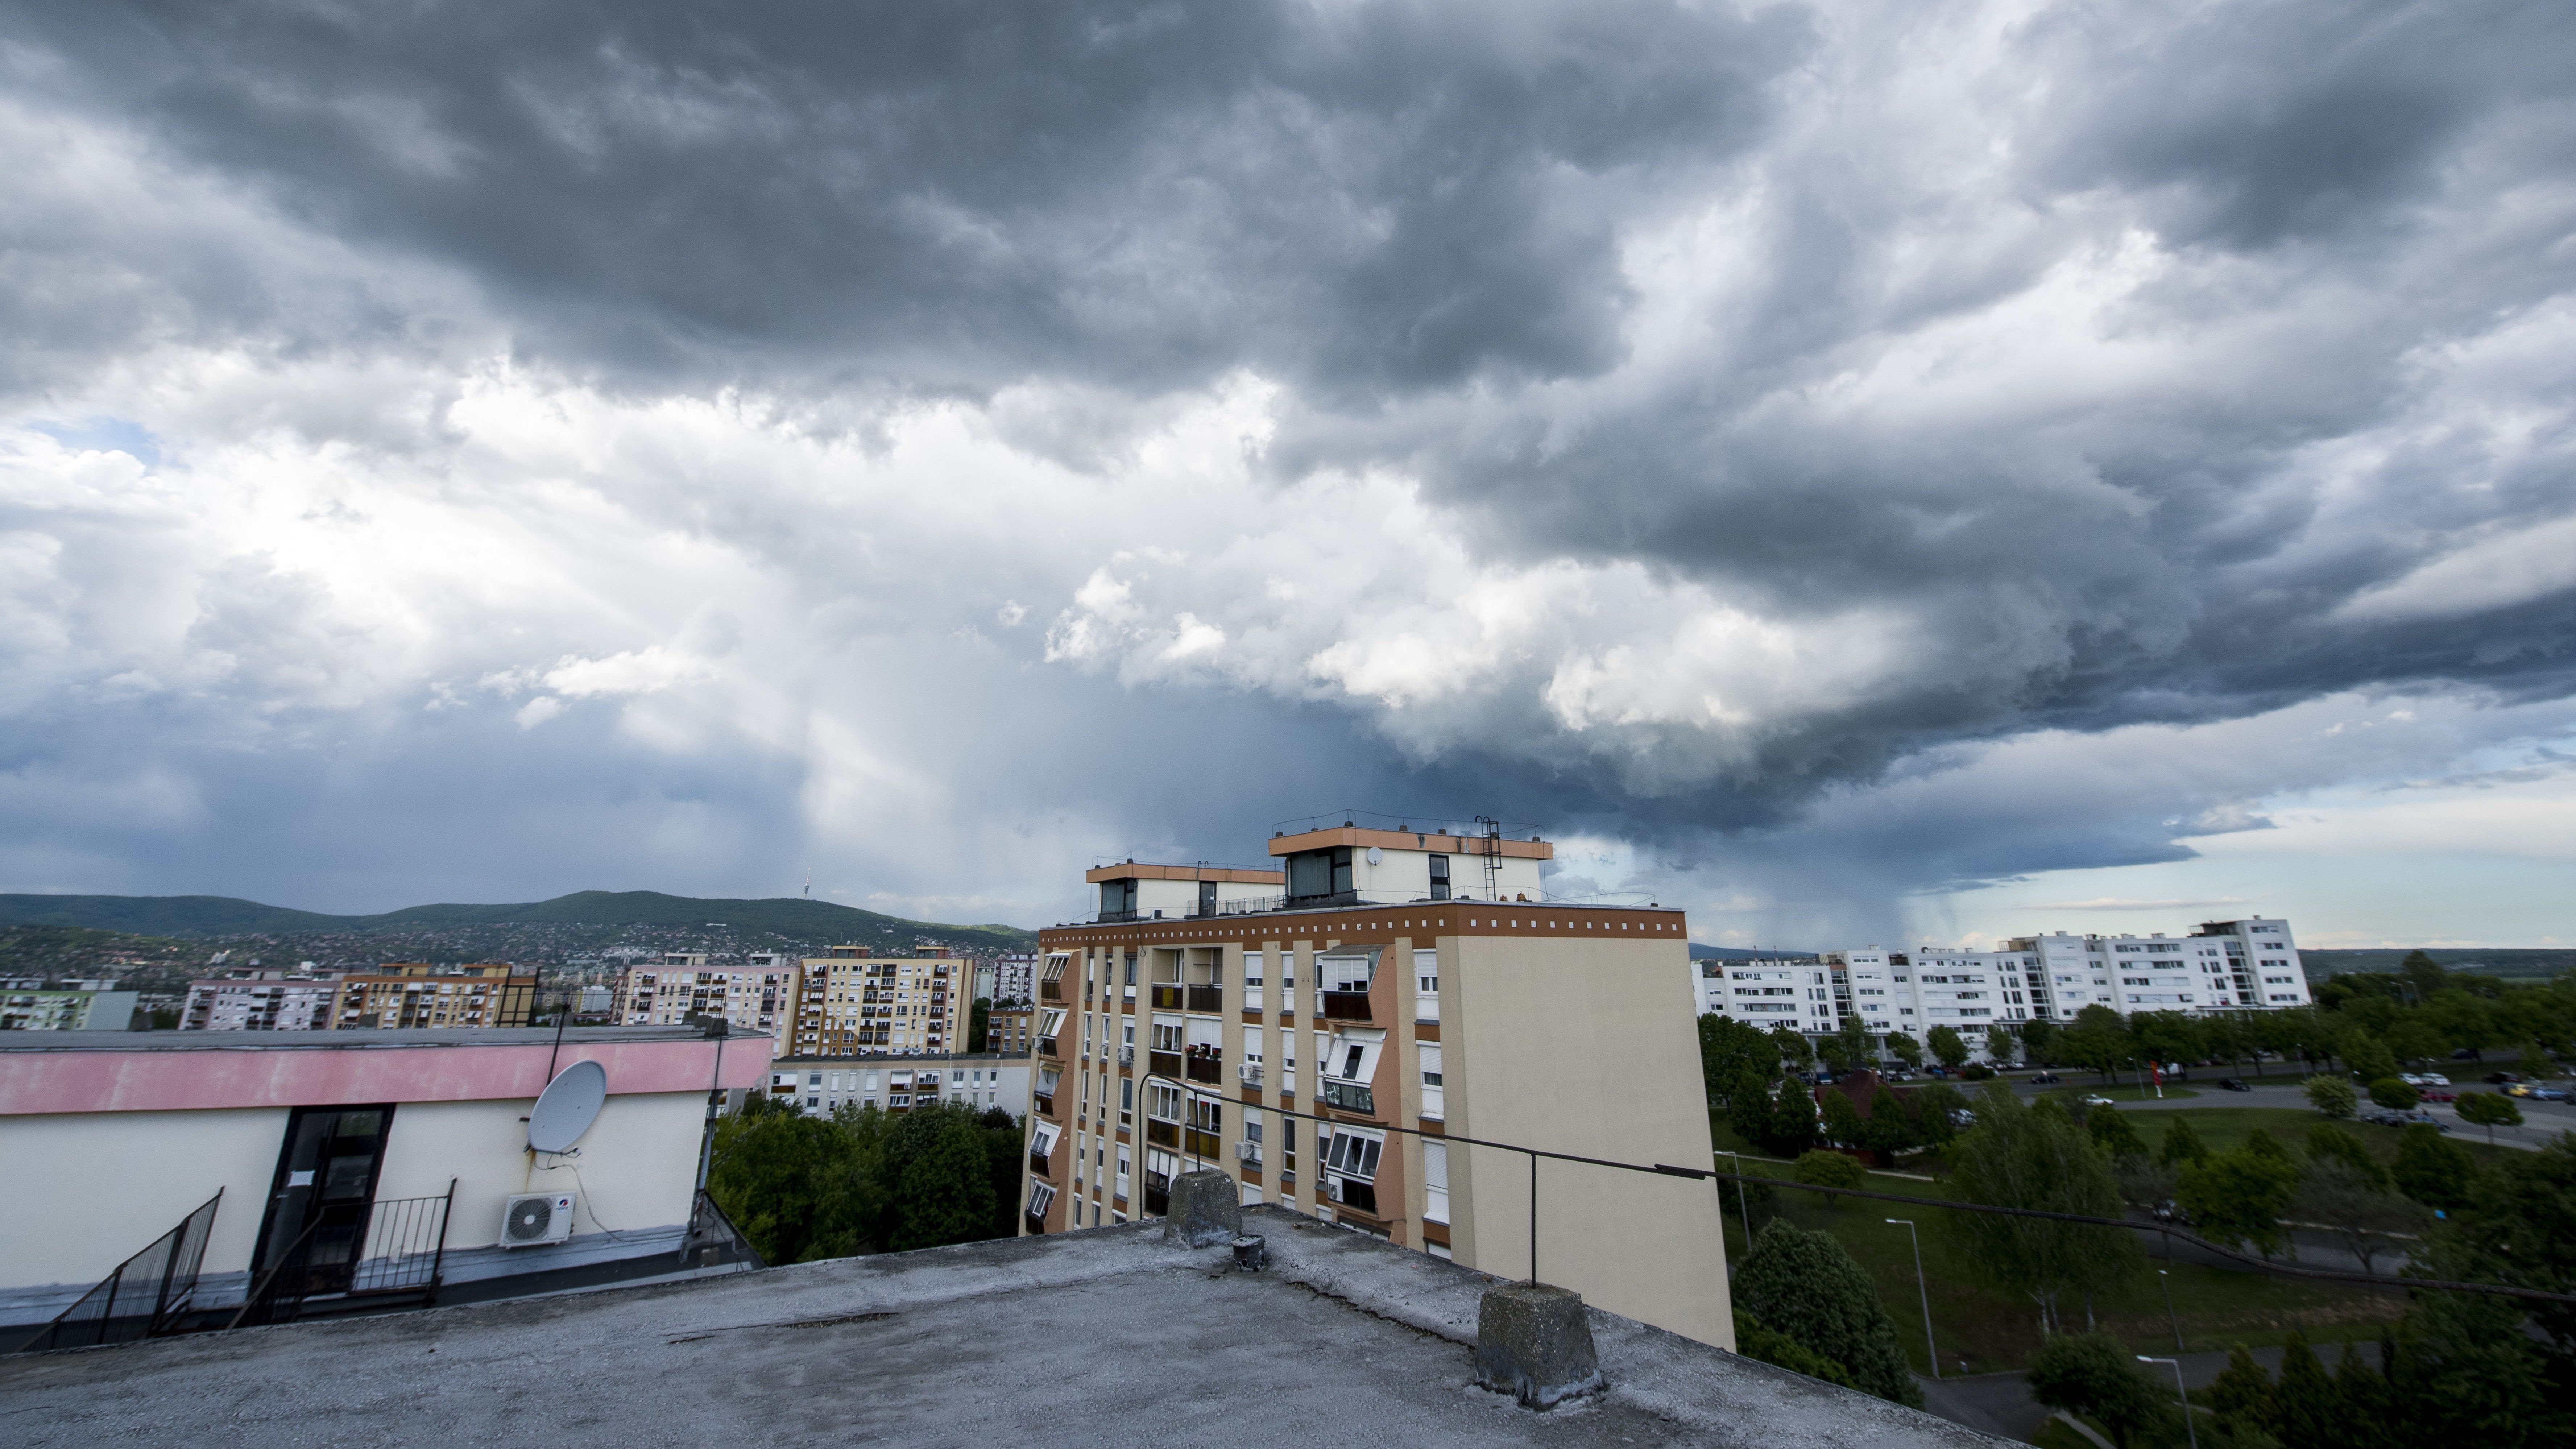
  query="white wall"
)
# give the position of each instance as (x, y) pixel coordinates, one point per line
(638, 1166)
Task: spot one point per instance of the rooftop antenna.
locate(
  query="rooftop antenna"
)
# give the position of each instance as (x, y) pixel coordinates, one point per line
(809, 882)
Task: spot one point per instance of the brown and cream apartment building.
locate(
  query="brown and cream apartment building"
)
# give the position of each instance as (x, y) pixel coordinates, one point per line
(1325, 1032)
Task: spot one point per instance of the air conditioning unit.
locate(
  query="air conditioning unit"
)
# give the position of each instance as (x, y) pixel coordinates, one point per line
(1248, 1152)
(536, 1218)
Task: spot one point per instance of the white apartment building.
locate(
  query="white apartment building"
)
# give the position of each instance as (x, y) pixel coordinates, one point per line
(821, 1085)
(268, 1000)
(759, 995)
(2225, 966)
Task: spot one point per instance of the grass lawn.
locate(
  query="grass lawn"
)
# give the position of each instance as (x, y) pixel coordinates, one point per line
(1993, 1330)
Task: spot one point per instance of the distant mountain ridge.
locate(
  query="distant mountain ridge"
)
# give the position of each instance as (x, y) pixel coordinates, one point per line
(791, 916)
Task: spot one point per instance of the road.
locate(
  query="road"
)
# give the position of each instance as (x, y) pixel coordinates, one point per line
(2542, 1121)
(2001, 1403)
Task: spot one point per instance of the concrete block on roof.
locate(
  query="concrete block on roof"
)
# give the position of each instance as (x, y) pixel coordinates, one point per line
(1206, 1212)
(1534, 1343)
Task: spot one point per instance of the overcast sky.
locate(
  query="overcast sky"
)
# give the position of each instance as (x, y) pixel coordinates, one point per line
(1861, 471)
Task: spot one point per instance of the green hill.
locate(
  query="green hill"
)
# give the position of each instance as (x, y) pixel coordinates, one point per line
(788, 916)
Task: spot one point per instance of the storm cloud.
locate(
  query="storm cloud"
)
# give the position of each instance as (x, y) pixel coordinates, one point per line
(492, 450)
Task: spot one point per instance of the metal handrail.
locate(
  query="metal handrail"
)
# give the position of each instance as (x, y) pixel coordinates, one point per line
(168, 1267)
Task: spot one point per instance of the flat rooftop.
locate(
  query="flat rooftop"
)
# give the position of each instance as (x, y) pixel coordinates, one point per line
(351, 1040)
(1107, 1335)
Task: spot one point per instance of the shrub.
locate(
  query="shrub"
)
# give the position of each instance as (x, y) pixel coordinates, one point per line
(2332, 1095)
(2093, 1373)
(2394, 1095)
(1806, 1286)
(1830, 1169)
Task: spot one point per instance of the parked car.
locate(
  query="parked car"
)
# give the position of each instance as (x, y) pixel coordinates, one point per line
(2233, 1084)
(2436, 1094)
(2435, 1079)
(2410, 1079)
(2096, 1099)
(2170, 1211)
(2502, 1078)
(2549, 1094)
(2463, 1054)
(2043, 1079)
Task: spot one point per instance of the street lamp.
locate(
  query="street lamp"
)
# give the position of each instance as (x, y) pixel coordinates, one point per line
(1925, 1288)
(2187, 1421)
(2166, 1279)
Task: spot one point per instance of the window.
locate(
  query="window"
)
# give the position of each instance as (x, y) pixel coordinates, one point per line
(1123, 1163)
(1435, 1182)
(1162, 1102)
(1042, 1141)
(1353, 1153)
(1440, 877)
(1118, 898)
(1127, 1102)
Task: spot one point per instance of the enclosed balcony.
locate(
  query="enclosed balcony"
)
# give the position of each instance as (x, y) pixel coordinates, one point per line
(1346, 1006)
(1350, 1096)
(1203, 1064)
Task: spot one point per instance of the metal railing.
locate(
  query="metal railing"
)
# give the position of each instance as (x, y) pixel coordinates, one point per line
(1349, 1096)
(1206, 998)
(148, 1294)
(714, 1241)
(1204, 1067)
(1167, 998)
(1163, 1064)
(400, 1251)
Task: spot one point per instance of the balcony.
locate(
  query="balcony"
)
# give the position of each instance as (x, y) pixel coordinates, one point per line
(1163, 1064)
(1346, 1006)
(1168, 998)
(1206, 999)
(1350, 1096)
(1038, 1163)
(1354, 1194)
(1051, 991)
(1045, 1103)
(1161, 1133)
(1158, 1201)
(1202, 1144)
(1046, 1046)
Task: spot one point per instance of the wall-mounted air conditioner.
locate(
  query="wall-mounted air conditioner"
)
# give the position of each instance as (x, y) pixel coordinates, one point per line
(535, 1218)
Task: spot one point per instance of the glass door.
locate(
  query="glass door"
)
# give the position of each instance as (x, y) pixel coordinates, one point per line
(324, 1193)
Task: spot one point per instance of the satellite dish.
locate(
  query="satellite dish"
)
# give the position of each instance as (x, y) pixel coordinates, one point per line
(570, 1103)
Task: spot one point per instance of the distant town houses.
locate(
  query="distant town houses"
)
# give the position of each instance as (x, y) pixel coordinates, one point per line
(2224, 967)
(986, 1081)
(398, 995)
(35, 1004)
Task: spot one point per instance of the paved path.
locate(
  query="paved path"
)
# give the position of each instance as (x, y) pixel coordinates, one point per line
(2542, 1121)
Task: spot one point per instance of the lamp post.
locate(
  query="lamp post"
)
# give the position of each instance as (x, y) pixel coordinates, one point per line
(1923, 1287)
(2166, 1280)
(2187, 1421)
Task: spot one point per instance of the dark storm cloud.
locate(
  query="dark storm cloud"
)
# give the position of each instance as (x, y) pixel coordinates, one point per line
(1385, 197)
(2119, 363)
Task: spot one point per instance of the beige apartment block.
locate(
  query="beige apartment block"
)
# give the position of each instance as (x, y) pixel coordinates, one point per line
(759, 993)
(415, 994)
(1330, 1052)
(855, 1004)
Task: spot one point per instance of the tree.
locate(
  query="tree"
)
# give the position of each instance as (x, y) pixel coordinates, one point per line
(1905, 1048)
(1748, 1107)
(2114, 1134)
(1946, 1046)
(1820, 1168)
(2242, 1393)
(784, 1179)
(2327, 1142)
(2036, 1039)
(2099, 1039)
(2394, 1095)
(1836, 1057)
(1936, 1108)
(1888, 1129)
(936, 1165)
(2414, 1039)
(2035, 1157)
(1792, 1047)
(1793, 1119)
(2238, 1196)
(2095, 1375)
(1728, 1051)
(1999, 1044)
(2362, 1403)
(2423, 973)
(2332, 1095)
(805, 1188)
(1843, 1126)
(2523, 1232)
(2462, 1019)
(2367, 1056)
(2535, 1062)
(2431, 1169)
(1804, 1284)
(1756, 1339)
(2167, 1036)
(2181, 1144)
(979, 1024)
(2489, 1110)
(2363, 1215)
(2306, 1404)
(1853, 1038)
